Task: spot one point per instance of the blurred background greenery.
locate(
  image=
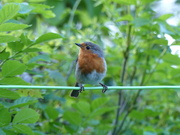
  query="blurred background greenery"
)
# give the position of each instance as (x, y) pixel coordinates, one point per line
(136, 37)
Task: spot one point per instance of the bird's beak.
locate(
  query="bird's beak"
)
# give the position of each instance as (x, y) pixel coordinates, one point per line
(78, 44)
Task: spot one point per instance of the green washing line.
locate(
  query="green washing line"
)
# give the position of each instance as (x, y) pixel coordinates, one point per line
(87, 88)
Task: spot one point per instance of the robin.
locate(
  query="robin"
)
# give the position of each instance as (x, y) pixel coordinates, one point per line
(90, 67)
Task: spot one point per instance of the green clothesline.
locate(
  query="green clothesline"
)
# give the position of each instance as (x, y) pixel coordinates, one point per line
(87, 88)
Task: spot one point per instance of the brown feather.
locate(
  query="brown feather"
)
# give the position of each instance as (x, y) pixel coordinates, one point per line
(89, 61)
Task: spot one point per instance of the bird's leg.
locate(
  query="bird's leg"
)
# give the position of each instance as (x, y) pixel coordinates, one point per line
(105, 88)
(81, 87)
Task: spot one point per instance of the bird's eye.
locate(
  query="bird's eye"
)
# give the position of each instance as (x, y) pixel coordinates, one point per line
(87, 47)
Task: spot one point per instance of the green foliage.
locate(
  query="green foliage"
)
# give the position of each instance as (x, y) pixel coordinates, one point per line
(26, 115)
(7, 117)
(15, 111)
(9, 94)
(137, 53)
(46, 37)
(8, 12)
(11, 27)
(8, 71)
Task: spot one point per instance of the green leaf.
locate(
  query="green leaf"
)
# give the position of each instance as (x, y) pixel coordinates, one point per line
(23, 129)
(83, 107)
(101, 110)
(73, 117)
(99, 102)
(12, 26)
(25, 40)
(152, 52)
(16, 46)
(172, 59)
(125, 18)
(139, 115)
(175, 43)
(5, 118)
(43, 57)
(127, 2)
(7, 38)
(4, 55)
(150, 113)
(145, 2)
(43, 10)
(47, 37)
(165, 16)
(9, 132)
(8, 11)
(25, 8)
(51, 112)
(4, 93)
(32, 50)
(12, 68)
(138, 22)
(23, 101)
(13, 81)
(26, 115)
(160, 41)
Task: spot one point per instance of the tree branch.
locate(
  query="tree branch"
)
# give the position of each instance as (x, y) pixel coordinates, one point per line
(122, 76)
(133, 104)
(73, 12)
(133, 75)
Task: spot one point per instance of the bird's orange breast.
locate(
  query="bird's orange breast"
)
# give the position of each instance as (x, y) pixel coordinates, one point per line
(89, 61)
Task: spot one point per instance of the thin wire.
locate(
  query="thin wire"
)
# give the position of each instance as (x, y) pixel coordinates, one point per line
(87, 88)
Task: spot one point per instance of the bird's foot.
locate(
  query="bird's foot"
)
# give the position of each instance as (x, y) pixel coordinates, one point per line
(81, 88)
(105, 88)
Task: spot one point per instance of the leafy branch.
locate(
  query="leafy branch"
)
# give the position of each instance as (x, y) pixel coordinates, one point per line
(121, 101)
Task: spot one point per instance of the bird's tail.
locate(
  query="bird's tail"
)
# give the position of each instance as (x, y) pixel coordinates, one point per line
(75, 93)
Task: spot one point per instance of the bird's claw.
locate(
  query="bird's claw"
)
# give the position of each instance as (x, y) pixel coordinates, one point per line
(81, 88)
(105, 88)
